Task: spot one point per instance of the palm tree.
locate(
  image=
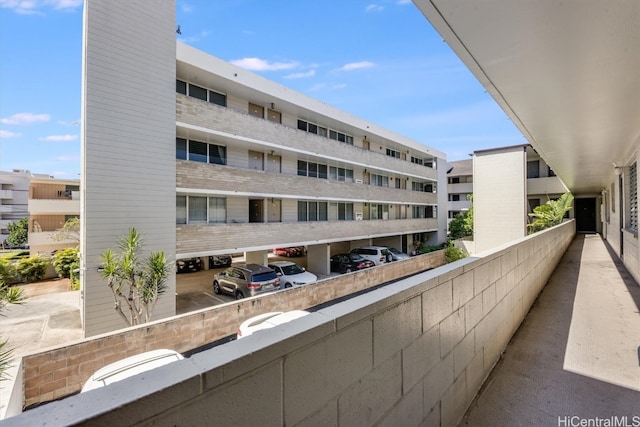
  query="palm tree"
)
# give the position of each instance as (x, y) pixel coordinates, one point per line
(8, 295)
(136, 284)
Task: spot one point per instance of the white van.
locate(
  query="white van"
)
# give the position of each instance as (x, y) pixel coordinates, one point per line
(377, 254)
(130, 366)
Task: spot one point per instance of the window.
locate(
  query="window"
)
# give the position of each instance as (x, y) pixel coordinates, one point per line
(200, 210)
(197, 151)
(533, 203)
(379, 180)
(312, 170)
(533, 169)
(181, 87)
(181, 148)
(217, 210)
(455, 180)
(423, 186)
(181, 209)
(217, 154)
(551, 172)
(379, 211)
(393, 153)
(425, 211)
(340, 174)
(417, 160)
(454, 197)
(197, 210)
(312, 211)
(218, 98)
(201, 93)
(197, 92)
(633, 196)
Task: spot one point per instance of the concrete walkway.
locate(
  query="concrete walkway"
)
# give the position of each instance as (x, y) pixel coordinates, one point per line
(576, 356)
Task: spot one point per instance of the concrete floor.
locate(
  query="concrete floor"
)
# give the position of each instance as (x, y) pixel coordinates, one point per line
(576, 355)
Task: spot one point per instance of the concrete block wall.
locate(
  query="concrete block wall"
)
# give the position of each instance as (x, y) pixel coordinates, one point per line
(414, 352)
(58, 372)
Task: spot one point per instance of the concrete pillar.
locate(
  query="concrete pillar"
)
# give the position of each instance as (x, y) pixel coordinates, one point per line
(318, 258)
(257, 257)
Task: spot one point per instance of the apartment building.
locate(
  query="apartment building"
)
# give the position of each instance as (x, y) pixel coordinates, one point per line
(459, 187)
(259, 166)
(541, 182)
(14, 197)
(51, 203)
(233, 163)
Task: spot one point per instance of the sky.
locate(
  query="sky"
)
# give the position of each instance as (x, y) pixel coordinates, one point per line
(377, 60)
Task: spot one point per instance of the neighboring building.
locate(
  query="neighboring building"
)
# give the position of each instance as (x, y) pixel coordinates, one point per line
(459, 187)
(232, 162)
(14, 198)
(496, 174)
(51, 203)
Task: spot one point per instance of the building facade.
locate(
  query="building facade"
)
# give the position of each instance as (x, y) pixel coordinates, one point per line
(459, 187)
(14, 198)
(233, 162)
(52, 202)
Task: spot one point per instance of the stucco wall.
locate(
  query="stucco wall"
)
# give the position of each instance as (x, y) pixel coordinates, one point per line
(413, 352)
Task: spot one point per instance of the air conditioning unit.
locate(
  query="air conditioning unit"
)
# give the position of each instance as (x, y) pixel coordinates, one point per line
(358, 181)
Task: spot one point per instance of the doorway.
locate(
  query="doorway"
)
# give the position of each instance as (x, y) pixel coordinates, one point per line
(585, 210)
(256, 210)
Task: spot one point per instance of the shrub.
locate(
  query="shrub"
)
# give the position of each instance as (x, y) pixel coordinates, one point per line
(453, 254)
(31, 269)
(8, 274)
(65, 261)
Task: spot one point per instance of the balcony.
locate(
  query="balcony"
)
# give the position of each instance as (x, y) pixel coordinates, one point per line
(226, 179)
(209, 116)
(193, 239)
(546, 185)
(62, 206)
(6, 194)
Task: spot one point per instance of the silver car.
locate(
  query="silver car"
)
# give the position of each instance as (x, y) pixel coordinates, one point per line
(246, 280)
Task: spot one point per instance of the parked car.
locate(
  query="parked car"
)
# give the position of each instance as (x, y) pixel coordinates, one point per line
(397, 255)
(129, 367)
(188, 264)
(377, 254)
(291, 274)
(294, 251)
(246, 280)
(346, 263)
(267, 321)
(220, 261)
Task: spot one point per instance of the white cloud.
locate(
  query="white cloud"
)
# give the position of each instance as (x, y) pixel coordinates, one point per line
(68, 158)
(374, 8)
(356, 66)
(186, 7)
(257, 64)
(25, 119)
(302, 75)
(403, 2)
(7, 134)
(332, 86)
(31, 7)
(59, 138)
(194, 38)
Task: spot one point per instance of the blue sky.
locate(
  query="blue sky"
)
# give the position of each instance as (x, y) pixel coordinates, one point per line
(378, 60)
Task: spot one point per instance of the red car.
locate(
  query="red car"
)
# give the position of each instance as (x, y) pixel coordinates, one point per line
(293, 251)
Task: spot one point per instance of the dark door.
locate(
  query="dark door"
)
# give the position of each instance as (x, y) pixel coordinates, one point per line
(585, 215)
(256, 210)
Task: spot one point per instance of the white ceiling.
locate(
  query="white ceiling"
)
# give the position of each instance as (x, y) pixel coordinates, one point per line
(567, 72)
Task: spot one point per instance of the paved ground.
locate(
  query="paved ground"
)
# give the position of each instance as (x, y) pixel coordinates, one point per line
(577, 353)
(50, 316)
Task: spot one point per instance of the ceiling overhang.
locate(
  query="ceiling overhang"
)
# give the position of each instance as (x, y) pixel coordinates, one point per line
(567, 73)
